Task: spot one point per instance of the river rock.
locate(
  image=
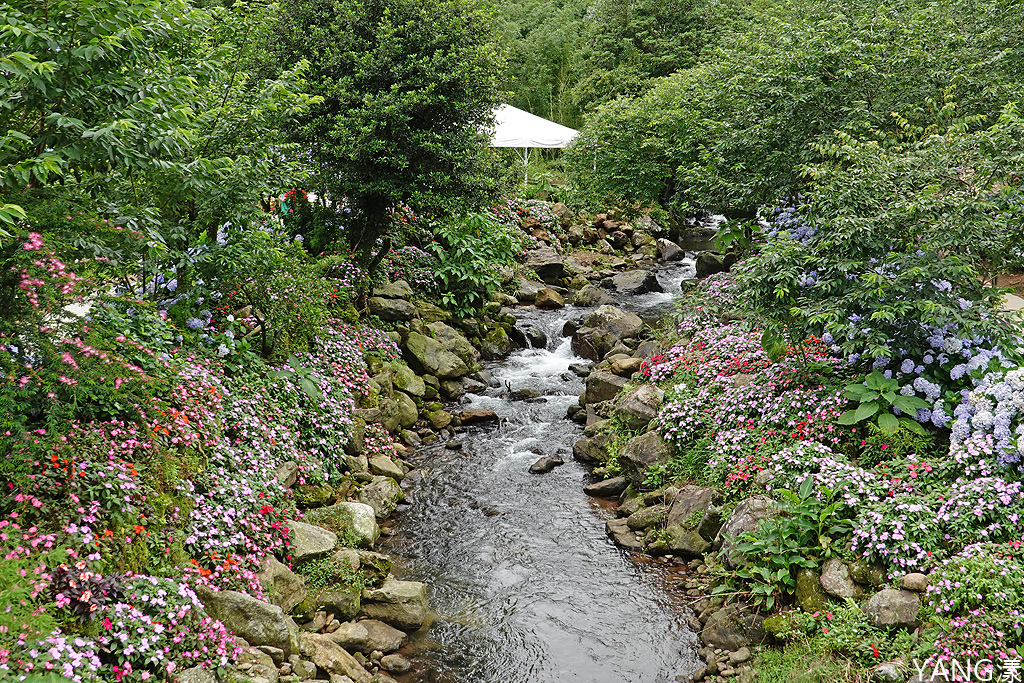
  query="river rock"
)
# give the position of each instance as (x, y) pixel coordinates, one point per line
(391, 310)
(453, 340)
(355, 523)
(351, 635)
(308, 542)
(281, 586)
(637, 408)
(609, 488)
(382, 494)
(408, 381)
(399, 289)
(477, 416)
(548, 299)
(398, 413)
(835, 579)
(732, 627)
(546, 464)
(602, 386)
(626, 367)
(636, 282)
(619, 531)
(430, 357)
(602, 330)
(893, 608)
(382, 637)
(683, 524)
(709, 263)
(497, 344)
(537, 338)
(258, 622)
(546, 262)
(386, 467)
(592, 450)
(640, 453)
(647, 517)
(590, 295)
(744, 518)
(527, 291)
(402, 604)
(333, 658)
(669, 250)
(396, 664)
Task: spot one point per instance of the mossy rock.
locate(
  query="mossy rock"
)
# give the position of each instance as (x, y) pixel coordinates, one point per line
(313, 495)
(866, 574)
(810, 596)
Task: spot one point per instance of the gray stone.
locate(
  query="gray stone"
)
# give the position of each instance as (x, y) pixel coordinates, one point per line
(391, 310)
(915, 582)
(647, 517)
(602, 386)
(497, 344)
(669, 250)
(275, 653)
(636, 282)
(302, 668)
(396, 664)
(590, 295)
(546, 262)
(548, 299)
(592, 450)
(642, 452)
(527, 291)
(355, 523)
(546, 464)
(430, 313)
(333, 658)
(732, 627)
(454, 341)
(619, 531)
(602, 330)
(309, 542)
(890, 608)
(402, 604)
(637, 408)
(408, 381)
(252, 666)
(609, 488)
(739, 656)
(398, 413)
(626, 367)
(382, 637)
(430, 357)
(287, 473)
(341, 601)
(889, 672)
(709, 263)
(351, 635)
(744, 518)
(196, 674)
(399, 289)
(683, 524)
(835, 579)
(386, 467)
(257, 622)
(281, 586)
(809, 594)
(382, 494)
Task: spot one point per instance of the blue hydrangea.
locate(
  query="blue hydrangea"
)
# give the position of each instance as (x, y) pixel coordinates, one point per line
(907, 366)
(195, 323)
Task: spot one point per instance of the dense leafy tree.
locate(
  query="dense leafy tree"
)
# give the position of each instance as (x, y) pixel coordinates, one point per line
(407, 89)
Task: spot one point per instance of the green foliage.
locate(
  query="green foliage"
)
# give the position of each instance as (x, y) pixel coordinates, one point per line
(332, 572)
(23, 605)
(469, 248)
(876, 397)
(805, 532)
(849, 632)
(303, 377)
(803, 661)
(407, 88)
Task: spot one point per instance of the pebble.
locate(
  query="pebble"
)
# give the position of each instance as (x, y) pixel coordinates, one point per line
(739, 656)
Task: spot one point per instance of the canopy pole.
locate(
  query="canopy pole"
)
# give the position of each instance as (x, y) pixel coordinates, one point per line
(526, 167)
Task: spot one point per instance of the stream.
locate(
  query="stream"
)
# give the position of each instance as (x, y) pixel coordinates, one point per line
(525, 584)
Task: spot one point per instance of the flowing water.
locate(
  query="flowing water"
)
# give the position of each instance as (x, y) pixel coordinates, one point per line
(525, 584)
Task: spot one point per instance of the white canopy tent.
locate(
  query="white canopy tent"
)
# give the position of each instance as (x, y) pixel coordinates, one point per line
(518, 128)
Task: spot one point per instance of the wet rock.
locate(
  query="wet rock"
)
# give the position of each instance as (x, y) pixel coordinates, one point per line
(915, 582)
(496, 344)
(382, 494)
(386, 467)
(281, 585)
(602, 386)
(477, 416)
(636, 282)
(354, 522)
(546, 262)
(524, 394)
(732, 627)
(382, 637)
(640, 453)
(453, 389)
(527, 292)
(546, 464)
(333, 658)
(548, 299)
(590, 295)
(430, 357)
(669, 250)
(709, 263)
(647, 517)
(893, 608)
(637, 408)
(439, 419)
(619, 531)
(592, 450)
(602, 330)
(396, 664)
(258, 622)
(391, 310)
(537, 338)
(609, 488)
(744, 518)
(402, 604)
(309, 542)
(835, 579)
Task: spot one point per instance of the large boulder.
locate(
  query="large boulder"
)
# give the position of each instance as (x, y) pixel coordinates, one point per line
(709, 263)
(333, 658)
(593, 450)
(309, 542)
(891, 608)
(391, 310)
(602, 386)
(732, 627)
(636, 282)
(339, 600)
(546, 262)
(637, 408)
(548, 299)
(382, 494)
(607, 488)
(399, 289)
(603, 329)
(408, 381)
(402, 604)
(683, 525)
(383, 637)
(647, 517)
(642, 452)
(589, 295)
(430, 357)
(257, 622)
(354, 523)
(744, 518)
(281, 586)
(455, 341)
(835, 579)
(527, 291)
(497, 344)
(352, 636)
(384, 466)
(398, 413)
(669, 250)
